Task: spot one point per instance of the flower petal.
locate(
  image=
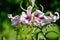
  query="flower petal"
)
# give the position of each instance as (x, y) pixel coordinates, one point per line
(15, 20)
(57, 17)
(37, 13)
(29, 9)
(10, 16)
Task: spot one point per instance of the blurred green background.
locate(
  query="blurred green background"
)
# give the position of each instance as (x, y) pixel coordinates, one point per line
(13, 7)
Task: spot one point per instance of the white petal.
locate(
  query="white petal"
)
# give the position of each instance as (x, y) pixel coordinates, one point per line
(26, 21)
(54, 19)
(42, 24)
(10, 16)
(57, 15)
(46, 17)
(29, 9)
(38, 12)
(22, 19)
(23, 14)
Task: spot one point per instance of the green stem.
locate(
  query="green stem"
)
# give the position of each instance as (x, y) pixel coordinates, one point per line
(17, 33)
(33, 33)
(36, 6)
(2, 37)
(21, 6)
(42, 7)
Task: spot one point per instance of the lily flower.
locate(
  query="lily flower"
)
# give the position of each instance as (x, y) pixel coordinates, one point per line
(40, 18)
(15, 20)
(48, 19)
(53, 18)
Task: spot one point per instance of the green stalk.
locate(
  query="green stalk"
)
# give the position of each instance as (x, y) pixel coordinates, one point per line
(2, 37)
(22, 7)
(17, 33)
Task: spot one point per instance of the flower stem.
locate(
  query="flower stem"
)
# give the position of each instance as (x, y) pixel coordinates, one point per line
(17, 33)
(21, 6)
(42, 7)
(1, 37)
(36, 6)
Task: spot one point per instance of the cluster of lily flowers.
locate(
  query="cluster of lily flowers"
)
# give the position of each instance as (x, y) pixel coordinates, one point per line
(37, 17)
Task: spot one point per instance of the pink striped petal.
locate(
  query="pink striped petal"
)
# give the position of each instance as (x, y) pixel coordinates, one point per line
(29, 9)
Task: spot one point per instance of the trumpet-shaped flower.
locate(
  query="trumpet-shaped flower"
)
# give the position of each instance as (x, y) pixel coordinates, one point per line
(49, 19)
(57, 15)
(44, 20)
(37, 17)
(15, 20)
(53, 18)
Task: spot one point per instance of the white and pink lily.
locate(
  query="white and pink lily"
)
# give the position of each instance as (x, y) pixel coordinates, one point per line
(53, 18)
(49, 19)
(15, 20)
(37, 17)
(40, 18)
